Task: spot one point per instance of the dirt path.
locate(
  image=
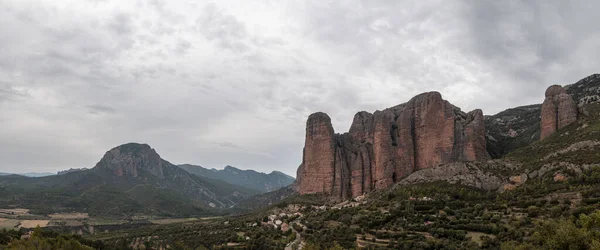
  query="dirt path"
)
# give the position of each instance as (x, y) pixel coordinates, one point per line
(298, 242)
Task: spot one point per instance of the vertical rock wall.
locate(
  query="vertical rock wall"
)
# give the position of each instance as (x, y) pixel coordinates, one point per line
(382, 148)
(558, 110)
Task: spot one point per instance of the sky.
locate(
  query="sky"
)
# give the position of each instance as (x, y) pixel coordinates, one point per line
(218, 83)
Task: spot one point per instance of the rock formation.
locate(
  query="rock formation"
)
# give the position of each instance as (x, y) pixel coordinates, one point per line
(130, 159)
(129, 165)
(382, 148)
(558, 110)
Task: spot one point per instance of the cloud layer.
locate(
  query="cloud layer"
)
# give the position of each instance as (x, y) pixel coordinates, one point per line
(232, 82)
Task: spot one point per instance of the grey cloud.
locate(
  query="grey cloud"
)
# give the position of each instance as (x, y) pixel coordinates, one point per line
(10, 93)
(121, 24)
(232, 82)
(182, 47)
(227, 145)
(98, 109)
(222, 28)
(533, 43)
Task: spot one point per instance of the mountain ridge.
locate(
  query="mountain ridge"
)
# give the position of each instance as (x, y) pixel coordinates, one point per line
(248, 178)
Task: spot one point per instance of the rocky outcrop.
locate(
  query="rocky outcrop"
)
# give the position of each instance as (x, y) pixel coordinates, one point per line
(318, 173)
(129, 165)
(71, 170)
(467, 174)
(382, 148)
(130, 159)
(558, 110)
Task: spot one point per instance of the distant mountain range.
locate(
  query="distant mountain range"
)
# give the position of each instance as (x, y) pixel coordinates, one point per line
(246, 178)
(130, 179)
(30, 174)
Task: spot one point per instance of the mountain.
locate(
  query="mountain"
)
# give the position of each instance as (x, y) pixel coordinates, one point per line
(382, 148)
(246, 178)
(129, 179)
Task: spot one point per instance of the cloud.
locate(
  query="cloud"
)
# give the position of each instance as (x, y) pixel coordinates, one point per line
(98, 109)
(532, 44)
(227, 145)
(229, 82)
(222, 28)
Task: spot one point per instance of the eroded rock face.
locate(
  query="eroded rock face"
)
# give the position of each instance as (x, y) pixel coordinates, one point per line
(558, 110)
(130, 159)
(382, 148)
(317, 174)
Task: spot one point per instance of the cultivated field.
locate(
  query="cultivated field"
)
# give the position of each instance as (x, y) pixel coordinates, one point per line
(8, 223)
(171, 221)
(14, 211)
(34, 223)
(69, 216)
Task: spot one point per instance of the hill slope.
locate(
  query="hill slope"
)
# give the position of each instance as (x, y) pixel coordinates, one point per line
(512, 129)
(247, 178)
(129, 179)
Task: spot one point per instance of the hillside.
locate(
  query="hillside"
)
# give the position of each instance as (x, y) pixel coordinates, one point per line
(512, 129)
(129, 179)
(246, 178)
(518, 127)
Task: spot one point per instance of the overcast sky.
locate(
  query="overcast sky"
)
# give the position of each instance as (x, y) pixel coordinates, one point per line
(218, 83)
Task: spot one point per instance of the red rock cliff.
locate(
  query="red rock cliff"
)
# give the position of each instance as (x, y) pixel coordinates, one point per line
(382, 148)
(558, 110)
